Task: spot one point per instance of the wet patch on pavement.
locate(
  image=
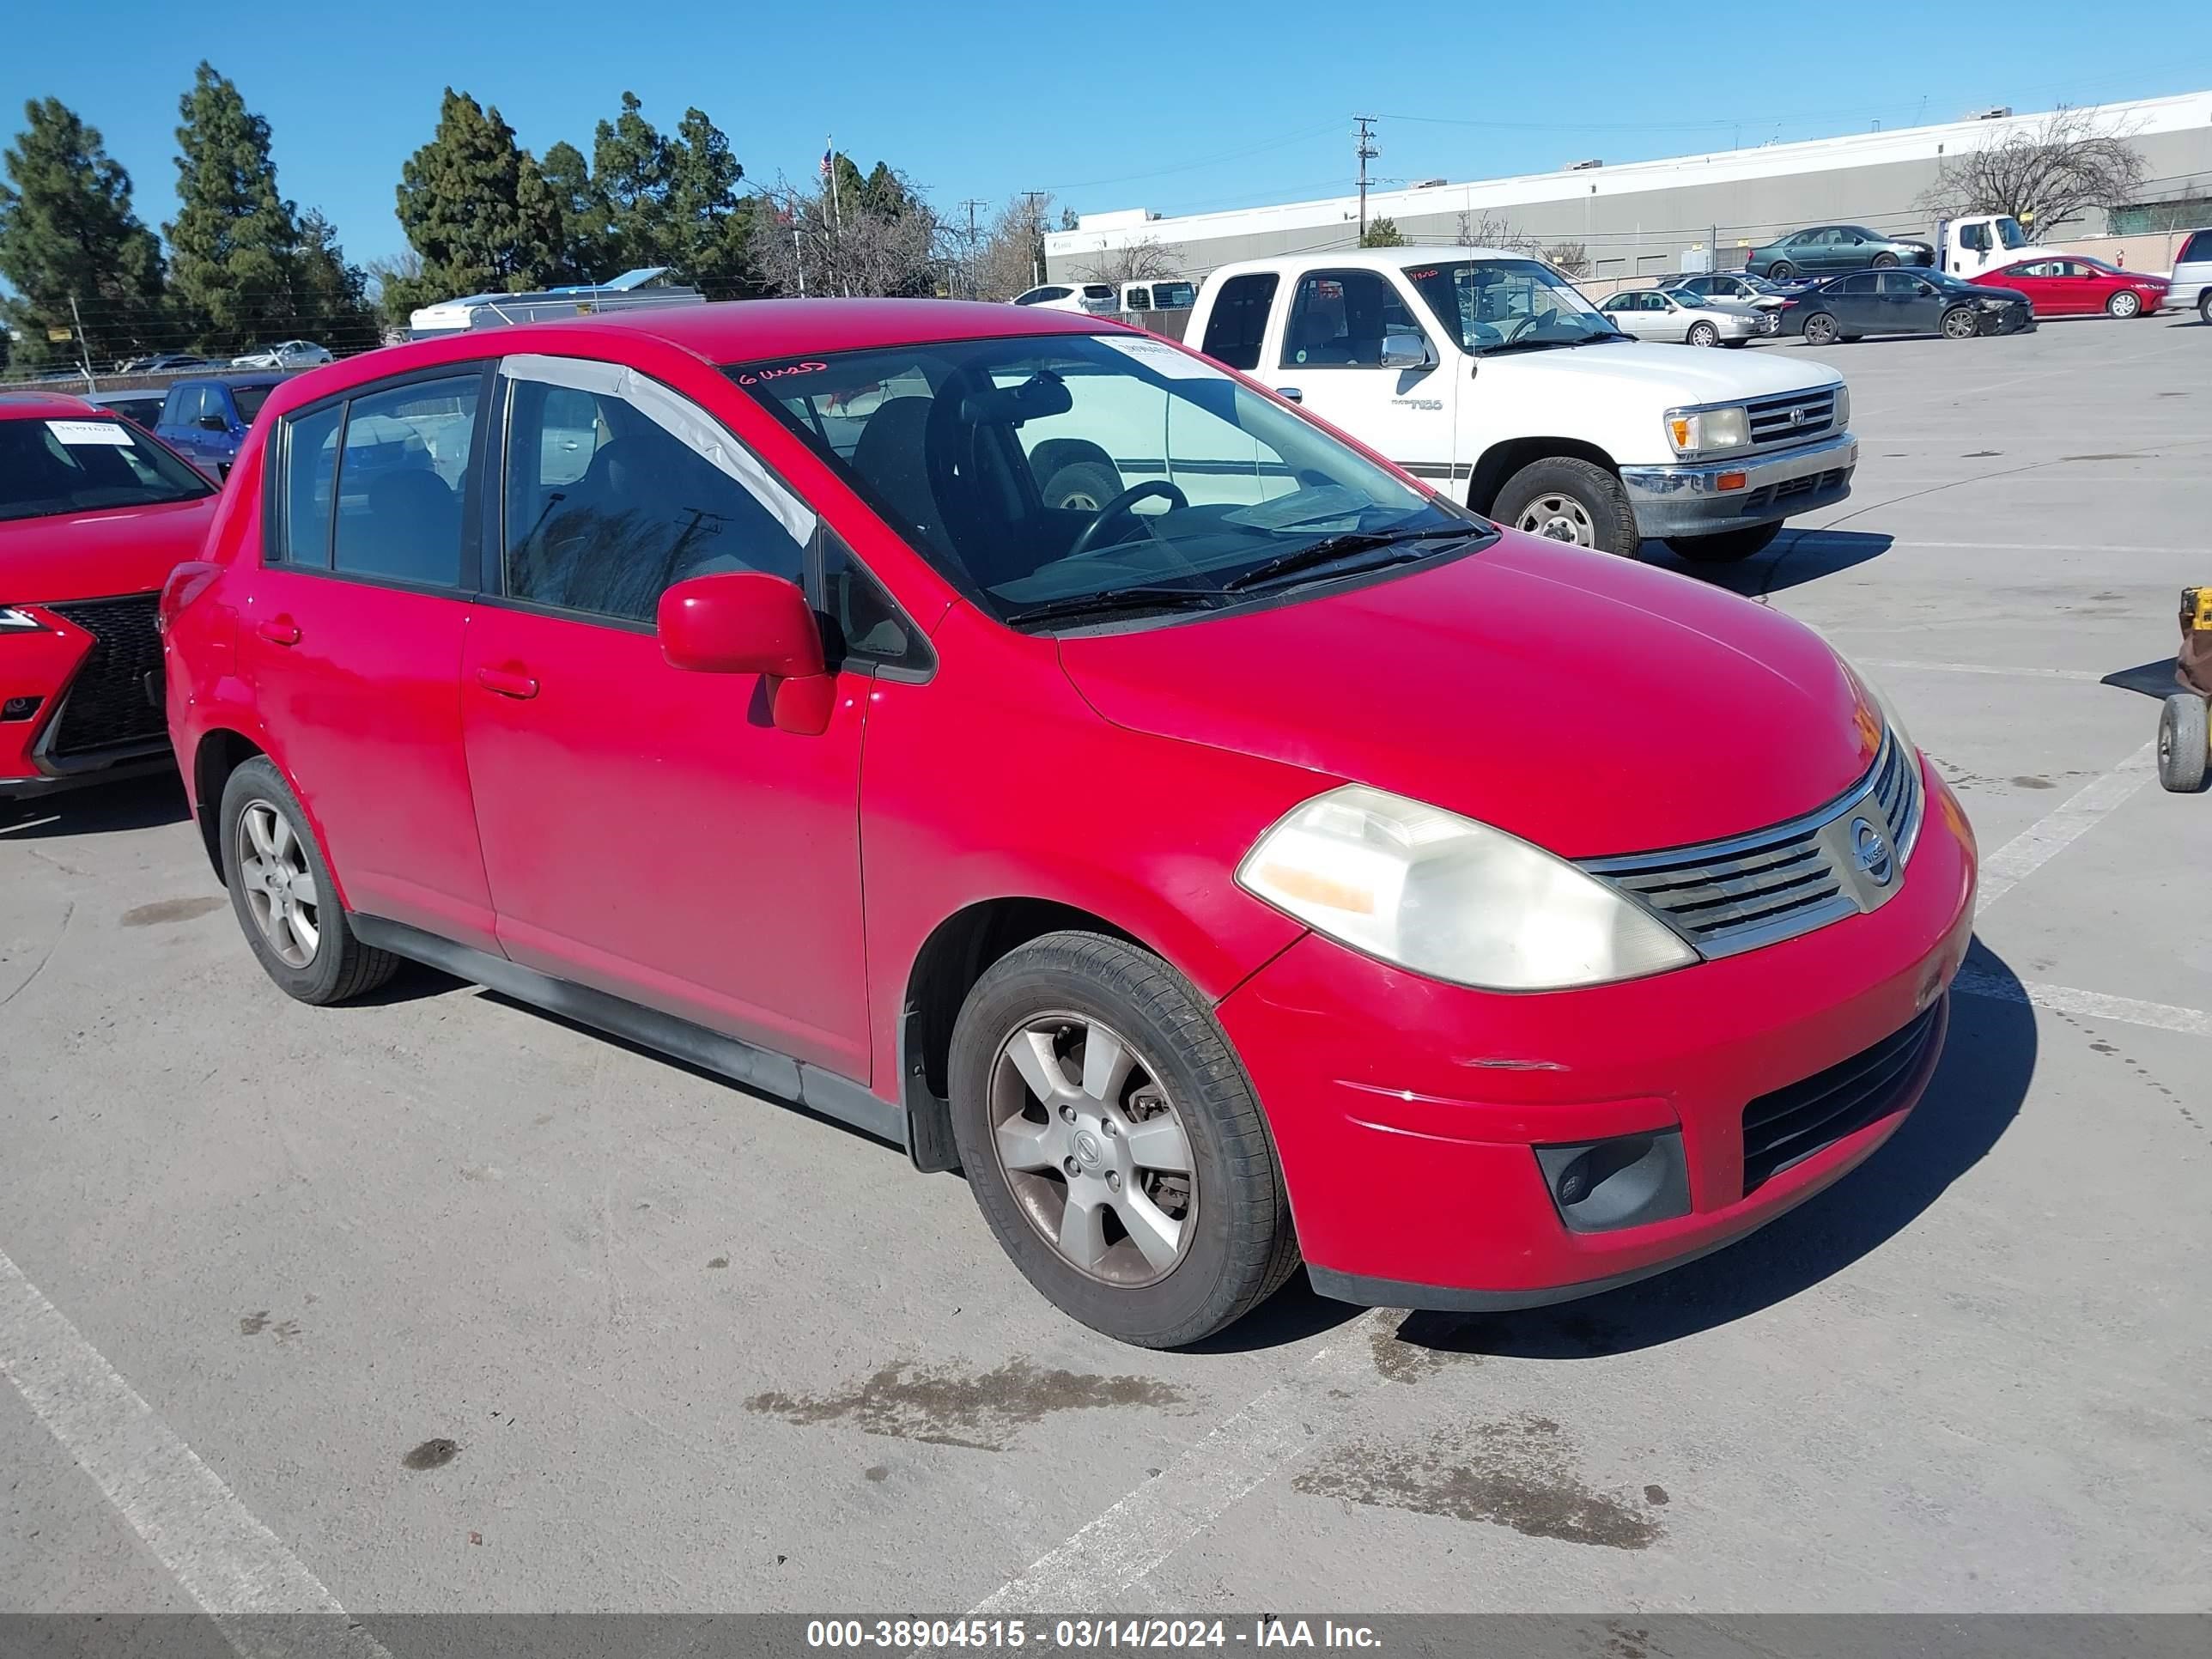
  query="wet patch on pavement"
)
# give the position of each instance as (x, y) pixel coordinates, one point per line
(1517, 1472)
(431, 1455)
(165, 911)
(949, 1406)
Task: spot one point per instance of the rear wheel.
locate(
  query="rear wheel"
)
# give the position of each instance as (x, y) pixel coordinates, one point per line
(2184, 743)
(1703, 334)
(2124, 304)
(1820, 329)
(2204, 306)
(1960, 323)
(1082, 486)
(283, 894)
(1113, 1143)
(1564, 499)
(1726, 546)
(1781, 271)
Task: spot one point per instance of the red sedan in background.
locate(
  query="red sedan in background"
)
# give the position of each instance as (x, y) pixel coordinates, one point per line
(2078, 286)
(94, 514)
(1232, 869)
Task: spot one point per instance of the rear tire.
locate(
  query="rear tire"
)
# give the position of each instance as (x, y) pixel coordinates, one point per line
(2184, 743)
(1726, 546)
(1781, 271)
(2124, 304)
(281, 892)
(1821, 330)
(1564, 499)
(1703, 334)
(2204, 307)
(1961, 323)
(1040, 1009)
(1082, 486)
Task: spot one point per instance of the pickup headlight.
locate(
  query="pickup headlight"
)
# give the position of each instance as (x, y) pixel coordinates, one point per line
(1451, 899)
(1843, 407)
(1702, 431)
(19, 622)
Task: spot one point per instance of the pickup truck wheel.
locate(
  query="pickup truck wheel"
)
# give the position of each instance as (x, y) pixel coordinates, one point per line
(1082, 486)
(2184, 743)
(1961, 323)
(1703, 334)
(1781, 271)
(2124, 304)
(1113, 1142)
(1819, 329)
(1726, 546)
(1564, 499)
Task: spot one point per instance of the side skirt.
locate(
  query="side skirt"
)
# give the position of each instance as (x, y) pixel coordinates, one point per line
(763, 1069)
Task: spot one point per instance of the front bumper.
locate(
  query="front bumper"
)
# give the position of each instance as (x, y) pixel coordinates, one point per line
(1408, 1112)
(1701, 498)
(88, 681)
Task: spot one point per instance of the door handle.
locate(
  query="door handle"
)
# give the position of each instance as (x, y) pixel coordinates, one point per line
(279, 630)
(1291, 393)
(506, 683)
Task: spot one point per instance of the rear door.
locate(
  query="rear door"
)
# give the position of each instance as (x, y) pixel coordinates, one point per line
(352, 640)
(1858, 304)
(1329, 350)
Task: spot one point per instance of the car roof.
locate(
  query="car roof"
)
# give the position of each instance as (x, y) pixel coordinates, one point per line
(1371, 258)
(26, 403)
(233, 377)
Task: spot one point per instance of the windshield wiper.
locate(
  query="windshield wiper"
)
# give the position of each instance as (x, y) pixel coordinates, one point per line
(1330, 549)
(1602, 336)
(1137, 597)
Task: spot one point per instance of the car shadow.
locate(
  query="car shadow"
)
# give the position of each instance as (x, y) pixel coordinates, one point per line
(1973, 1099)
(1794, 556)
(97, 809)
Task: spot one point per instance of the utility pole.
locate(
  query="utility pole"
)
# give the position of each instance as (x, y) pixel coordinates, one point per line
(971, 204)
(1037, 235)
(1363, 147)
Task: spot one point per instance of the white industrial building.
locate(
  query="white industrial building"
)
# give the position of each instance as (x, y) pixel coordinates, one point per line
(1644, 218)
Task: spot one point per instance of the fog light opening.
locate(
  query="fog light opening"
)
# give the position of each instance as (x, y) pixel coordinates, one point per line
(1624, 1180)
(19, 708)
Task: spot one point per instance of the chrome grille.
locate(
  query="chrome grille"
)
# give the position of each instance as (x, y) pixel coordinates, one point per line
(1729, 896)
(1792, 418)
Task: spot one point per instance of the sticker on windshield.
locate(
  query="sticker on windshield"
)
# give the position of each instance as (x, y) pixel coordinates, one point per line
(1159, 357)
(89, 432)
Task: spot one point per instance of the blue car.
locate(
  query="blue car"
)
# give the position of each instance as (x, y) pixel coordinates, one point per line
(204, 418)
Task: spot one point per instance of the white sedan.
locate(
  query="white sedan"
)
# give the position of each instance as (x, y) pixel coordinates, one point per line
(285, 353)
(1093, 299)
(1651, 314)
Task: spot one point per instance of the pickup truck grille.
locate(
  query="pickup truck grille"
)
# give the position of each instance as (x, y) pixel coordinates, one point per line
(1792, 418)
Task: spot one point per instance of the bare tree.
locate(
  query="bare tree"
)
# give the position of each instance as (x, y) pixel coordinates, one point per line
(2044, 175)
(880, 238)
(1144, 261)
(1568, 258)
(1012, 256)
(1487, 229)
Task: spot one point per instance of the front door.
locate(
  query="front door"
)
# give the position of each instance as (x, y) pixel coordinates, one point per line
(1330, 353)
(352, 641)
(649, 832)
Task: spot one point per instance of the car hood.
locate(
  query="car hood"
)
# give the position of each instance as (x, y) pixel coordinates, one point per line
(1671, 376)
(1584, 703)
(90, 555)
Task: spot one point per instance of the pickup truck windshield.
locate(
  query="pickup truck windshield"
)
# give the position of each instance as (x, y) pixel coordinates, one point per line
(1484, 304)
(48, 468)
(1072, 476)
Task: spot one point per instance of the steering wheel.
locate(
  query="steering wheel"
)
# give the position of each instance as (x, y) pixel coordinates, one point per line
(1119, 507)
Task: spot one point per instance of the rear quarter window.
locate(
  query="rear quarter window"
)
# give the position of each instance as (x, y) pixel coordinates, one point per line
(1239, 320)
(2198, 249)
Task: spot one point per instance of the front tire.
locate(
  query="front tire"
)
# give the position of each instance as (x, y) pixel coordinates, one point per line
(1883, 262)
(2124, 304)
(2184, 743)
(281, 892)
(1703, 334)
(1564, 499)
(1082, 486)
(1726, 546)
(1820, 329)
(1961, 323)
(1114, 1143)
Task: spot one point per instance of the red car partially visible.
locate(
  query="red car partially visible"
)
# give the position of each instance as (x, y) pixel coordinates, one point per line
(94, 514)
(2078, 286)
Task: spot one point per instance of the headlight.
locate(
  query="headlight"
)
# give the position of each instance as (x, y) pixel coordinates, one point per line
(12, 620)
(1697, 431)
(1843, 407)
(1455, 899)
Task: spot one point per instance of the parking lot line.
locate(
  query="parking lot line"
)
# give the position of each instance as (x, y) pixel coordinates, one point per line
(2095, 1005)
(2058, 829)
(233, 1567)
(1110, 1553)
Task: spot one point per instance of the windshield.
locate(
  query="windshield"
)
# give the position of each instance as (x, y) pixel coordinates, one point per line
(2010, 234)
(1068, 473)
(1487, 304)
(51, 467)
(249, 399)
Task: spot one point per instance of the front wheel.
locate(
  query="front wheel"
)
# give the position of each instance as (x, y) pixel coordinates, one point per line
(1820, 329)
(2124, 304)
(1726, 546)
(1961, 323)
(1884, 262)
(281, 891)
(2184, 743)
(1703, 334)
(1114, 1144)
(1564, 499)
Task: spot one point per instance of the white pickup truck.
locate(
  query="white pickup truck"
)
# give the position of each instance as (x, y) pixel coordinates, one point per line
(1487, 373)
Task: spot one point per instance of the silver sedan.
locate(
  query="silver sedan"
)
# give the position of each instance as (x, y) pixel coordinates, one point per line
(1651, 314)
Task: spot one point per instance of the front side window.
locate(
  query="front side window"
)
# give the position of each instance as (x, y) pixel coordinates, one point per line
(616, 489)
(1238, 322)
(1899, 284)
(1340, 318)
(1515, 305)
(1976, 237)
(2010, 234)
(1140, 299)
(48, 468)
(1075, 477)
(402, 464)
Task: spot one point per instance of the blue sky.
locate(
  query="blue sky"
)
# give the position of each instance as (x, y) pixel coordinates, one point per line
(1233, 105)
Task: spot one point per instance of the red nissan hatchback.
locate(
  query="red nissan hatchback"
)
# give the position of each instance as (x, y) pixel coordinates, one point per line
(1021, 738)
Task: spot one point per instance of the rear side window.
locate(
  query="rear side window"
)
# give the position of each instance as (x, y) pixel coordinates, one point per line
(249, 399)
(1239, 320)
(402, 465)
(616, 489)
(2197, 248)
(1096, 291)
(1860, 284)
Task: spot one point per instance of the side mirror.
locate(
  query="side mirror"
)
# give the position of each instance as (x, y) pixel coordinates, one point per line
(212, 423)
(1402, 350)
(747, 621)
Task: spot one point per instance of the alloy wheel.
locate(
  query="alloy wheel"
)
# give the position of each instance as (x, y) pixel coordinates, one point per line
(1093, 1149)
(280, 887)
(1557, 517)
(1960, 325)
(1821, 331)
(2125, 305)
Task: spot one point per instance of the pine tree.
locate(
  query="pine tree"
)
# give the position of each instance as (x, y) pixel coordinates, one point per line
(67, 230)
(710, 225)
(476, 210)
(630, 167)
(588, 252)
(232, 242)
(329, 297)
